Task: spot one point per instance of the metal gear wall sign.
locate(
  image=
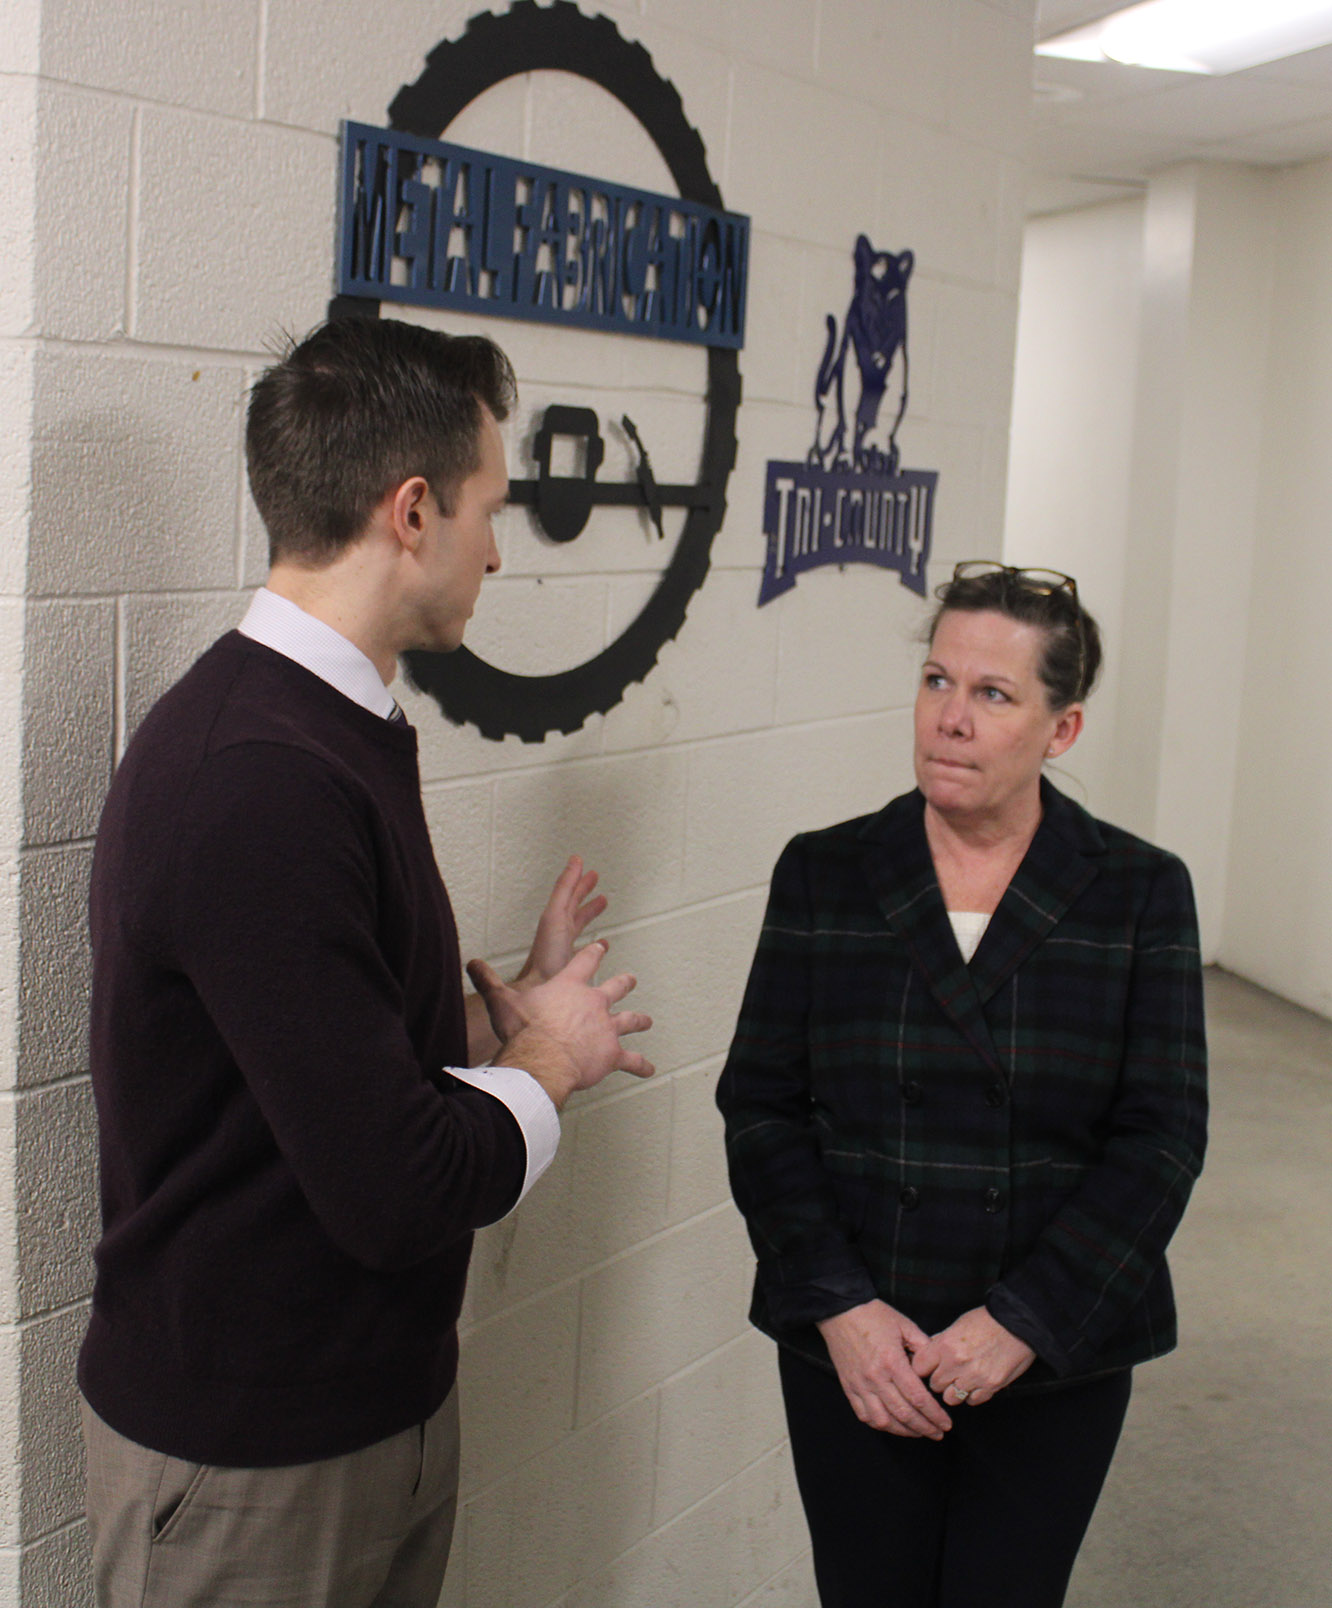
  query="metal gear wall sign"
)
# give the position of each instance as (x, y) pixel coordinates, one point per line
(849, 502)
(537, 242)
(485, 234)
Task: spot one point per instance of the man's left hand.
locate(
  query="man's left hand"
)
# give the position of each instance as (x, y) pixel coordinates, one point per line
(568, 911)
(972, 1359)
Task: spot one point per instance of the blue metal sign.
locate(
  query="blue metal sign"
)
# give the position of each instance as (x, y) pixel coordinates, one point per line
(850, 502)
(812, 516)
(437, 225)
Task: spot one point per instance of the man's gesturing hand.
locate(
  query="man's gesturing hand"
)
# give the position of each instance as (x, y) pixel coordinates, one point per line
(563, 1032)
(871, 1348)
(568, 911)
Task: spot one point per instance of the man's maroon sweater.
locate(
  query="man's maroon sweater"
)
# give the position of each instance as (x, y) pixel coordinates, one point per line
(290, 1180)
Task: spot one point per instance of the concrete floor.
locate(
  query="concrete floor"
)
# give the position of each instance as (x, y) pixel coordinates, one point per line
(1221, 1493)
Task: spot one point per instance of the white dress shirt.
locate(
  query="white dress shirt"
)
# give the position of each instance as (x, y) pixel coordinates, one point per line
(285, 627)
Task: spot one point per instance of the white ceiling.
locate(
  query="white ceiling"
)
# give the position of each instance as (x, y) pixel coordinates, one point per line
(1100, 129)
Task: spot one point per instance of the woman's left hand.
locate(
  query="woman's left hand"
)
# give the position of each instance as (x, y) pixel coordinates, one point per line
(972, 1359)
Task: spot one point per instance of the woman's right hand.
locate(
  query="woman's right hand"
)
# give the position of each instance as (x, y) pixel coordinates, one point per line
(871, 1348)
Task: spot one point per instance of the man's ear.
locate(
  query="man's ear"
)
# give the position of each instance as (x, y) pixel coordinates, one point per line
(407, 508)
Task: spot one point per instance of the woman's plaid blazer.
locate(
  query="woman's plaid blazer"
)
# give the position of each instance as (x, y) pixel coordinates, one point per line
(1022, 1132)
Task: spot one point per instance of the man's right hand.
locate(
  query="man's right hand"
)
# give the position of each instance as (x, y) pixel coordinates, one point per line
(871, 1348)
(563, 1031)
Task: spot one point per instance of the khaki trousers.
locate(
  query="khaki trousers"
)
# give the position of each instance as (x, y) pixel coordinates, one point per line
(368, 1530)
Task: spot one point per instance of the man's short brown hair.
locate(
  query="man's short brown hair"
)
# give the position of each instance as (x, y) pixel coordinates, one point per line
(353, 410)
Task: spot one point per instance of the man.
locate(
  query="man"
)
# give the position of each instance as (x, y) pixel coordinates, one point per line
(294, 1154)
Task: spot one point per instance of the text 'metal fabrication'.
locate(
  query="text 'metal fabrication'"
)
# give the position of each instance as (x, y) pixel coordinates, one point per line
(437, 225)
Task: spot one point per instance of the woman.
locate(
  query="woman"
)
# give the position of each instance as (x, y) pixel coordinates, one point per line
(964, 1109)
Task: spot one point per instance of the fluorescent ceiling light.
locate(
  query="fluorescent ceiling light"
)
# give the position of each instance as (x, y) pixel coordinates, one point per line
(1199, 36)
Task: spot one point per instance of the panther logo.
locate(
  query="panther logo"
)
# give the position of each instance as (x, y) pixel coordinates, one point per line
(875, 329)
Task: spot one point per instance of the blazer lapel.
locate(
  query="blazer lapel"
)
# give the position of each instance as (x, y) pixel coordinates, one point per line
(1060, 863)
(900, 872)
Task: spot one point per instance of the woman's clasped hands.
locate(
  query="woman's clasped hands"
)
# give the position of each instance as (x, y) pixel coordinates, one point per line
(872, 1347)
(894, 1374)
(972, 1359)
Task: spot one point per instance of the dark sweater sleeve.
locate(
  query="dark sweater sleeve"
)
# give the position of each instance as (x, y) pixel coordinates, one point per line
(1099, 1252)
(275, 923)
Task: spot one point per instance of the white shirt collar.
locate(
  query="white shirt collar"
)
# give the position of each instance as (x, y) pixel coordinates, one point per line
(285, 627)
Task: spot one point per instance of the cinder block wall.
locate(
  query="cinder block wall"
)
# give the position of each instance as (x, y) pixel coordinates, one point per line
(166, 197)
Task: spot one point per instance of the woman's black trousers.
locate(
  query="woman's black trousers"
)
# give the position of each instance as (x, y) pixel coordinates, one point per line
(990, 1517)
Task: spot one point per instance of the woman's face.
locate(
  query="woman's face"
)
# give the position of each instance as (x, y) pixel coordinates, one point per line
(983, 723)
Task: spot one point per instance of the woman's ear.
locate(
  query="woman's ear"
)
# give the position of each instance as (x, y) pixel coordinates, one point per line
(1068, 723)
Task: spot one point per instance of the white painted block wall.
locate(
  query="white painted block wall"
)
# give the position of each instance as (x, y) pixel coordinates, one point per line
(172, 171)
(1070, 492)
(1279, 912)
(1137, 448)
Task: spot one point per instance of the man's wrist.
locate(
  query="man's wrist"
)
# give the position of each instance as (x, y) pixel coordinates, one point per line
(544, 1059)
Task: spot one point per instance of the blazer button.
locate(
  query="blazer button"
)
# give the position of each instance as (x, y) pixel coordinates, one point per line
(911, 1093)
(910, 1198)
(996, 1095)
(994, 1200)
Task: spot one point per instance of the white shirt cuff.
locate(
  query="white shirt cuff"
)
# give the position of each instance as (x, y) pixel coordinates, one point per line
(532, 1108)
